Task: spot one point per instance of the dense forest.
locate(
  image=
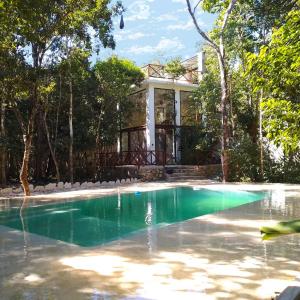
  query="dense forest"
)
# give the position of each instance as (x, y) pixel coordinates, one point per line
(56, 105)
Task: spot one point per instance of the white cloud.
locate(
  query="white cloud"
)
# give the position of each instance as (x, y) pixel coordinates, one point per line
(182, 10)
(165, 44)
(182, 26)
(129, 35)
(193, 2)
(166, 17)
(139, 10)
(136, 36)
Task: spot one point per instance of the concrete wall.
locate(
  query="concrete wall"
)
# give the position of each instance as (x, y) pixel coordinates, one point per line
(209, 171)
(151, 173)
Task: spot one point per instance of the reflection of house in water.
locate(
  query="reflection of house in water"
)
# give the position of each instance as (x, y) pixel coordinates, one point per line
(163, 122)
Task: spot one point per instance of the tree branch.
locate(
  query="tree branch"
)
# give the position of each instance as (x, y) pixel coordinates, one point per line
(201, 32)
(227, 14)
(19, 118)
(194, 10)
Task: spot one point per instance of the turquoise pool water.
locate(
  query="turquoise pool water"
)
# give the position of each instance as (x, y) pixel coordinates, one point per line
(98, 221)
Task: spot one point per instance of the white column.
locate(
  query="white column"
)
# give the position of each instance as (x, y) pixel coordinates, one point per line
(119, 140)
(201, 65)
(178, 122)
(119, 144)
(150, 122)
(177, 106)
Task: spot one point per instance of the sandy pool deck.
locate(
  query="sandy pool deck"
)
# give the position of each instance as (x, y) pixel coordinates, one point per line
(217, 256)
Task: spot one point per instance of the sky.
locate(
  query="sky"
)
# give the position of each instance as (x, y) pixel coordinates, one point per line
(157, 30)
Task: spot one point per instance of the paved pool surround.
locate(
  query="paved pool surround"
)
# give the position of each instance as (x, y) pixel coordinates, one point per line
(217, 256)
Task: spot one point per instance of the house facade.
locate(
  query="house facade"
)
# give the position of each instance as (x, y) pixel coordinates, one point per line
(163, 117)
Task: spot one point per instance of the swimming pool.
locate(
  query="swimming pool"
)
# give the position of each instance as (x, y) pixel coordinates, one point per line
(98, 221)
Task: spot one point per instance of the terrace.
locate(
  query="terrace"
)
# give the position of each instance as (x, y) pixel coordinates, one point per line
(192, 75)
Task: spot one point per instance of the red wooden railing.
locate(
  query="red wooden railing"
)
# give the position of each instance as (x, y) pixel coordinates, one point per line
(139, 158)
(158, 71)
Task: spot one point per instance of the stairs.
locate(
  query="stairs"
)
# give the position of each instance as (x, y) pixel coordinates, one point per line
(183, 173)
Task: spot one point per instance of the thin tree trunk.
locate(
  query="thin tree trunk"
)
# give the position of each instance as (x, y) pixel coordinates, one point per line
(261, 157)
(37, 57)
(98, 132)
(39, 156)
(57, 115)
(220, 51)
(27, 138)
(71, 133)
(2, 145)
(224, 121)
(232, 122)
(50, 147)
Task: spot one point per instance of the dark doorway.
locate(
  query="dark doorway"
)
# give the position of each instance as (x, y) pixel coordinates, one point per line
(164, 142)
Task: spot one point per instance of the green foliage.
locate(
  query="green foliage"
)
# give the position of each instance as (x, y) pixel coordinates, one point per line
(44, 45)
(279, 229)
(276, 67)
(283, 170)
(282, 123)
(175, 68)
(205, 97)
(244, 161)
(76, 65)
(116, 79)
(43, 24)
(276, 70)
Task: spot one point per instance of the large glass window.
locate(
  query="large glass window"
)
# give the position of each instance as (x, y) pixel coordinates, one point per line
(133, 140)
(137, 110)
(137, 140)
(124, 141)
(164, 106)
(188, 110)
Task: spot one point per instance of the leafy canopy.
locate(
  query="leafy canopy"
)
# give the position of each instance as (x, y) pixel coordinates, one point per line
(276, 70)
(45, 25)
(116, 78)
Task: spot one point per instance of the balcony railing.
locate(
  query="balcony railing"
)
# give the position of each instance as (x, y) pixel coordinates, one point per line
(158, 71)
(138, 158)
(89, 163)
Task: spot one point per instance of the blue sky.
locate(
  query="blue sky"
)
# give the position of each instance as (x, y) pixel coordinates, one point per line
(157, 30)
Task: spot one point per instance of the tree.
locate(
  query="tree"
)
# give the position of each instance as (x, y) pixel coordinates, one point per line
(75, 68)
(175, 68)
(43, 26)
(116, 79)
(225, 11)
(276, 70)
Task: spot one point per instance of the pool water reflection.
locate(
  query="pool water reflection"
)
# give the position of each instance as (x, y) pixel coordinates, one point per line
(94, 222)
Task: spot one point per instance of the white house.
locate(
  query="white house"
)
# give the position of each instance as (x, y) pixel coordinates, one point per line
(153, 132)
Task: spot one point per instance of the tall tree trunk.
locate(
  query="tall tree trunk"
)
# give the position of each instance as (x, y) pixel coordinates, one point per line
(224, 121)
(57, 114)
(39, 152)
(27, 138)
(38, 52)
(98, 141)
(261, 146)
(2, 145)
(220, 50)
(50, 147)
(71, 133)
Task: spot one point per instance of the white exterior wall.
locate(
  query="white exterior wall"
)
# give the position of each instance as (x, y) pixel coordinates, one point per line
(150, 85)
(201, 65)
(177, 106)
(150, 119)
(177, 122)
